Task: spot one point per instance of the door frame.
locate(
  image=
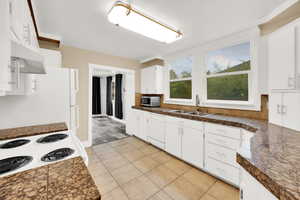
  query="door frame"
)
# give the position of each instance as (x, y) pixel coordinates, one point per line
(92, 67)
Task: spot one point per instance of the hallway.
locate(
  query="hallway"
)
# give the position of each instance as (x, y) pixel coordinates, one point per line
(105, 130)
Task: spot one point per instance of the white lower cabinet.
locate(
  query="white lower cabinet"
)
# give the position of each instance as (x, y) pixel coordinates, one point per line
(156, 130)
(251, 189)
(192, 146)
(173, 139)
(221, 145)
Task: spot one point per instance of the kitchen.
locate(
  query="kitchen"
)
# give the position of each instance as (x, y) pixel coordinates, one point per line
(211, 102)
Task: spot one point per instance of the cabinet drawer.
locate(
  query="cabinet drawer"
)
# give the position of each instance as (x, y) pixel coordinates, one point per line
(220, 153)
(223, 141)
(222, 170)
(227, 131)
(158, 117)
(193, 124)
(174, 120)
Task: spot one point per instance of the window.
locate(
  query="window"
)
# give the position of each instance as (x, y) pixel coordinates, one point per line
(227, 73)
(180, 74)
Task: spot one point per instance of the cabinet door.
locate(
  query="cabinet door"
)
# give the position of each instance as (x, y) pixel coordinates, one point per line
(282, 63)
(136, 123)
(4, 47)
(192, 146)
(291, 110)
(144, 125)
(252, 189)
(173, 139)
(157, 128)
(275, 101)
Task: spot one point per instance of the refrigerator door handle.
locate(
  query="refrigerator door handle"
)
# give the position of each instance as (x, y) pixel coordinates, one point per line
(77, 116)
(76, 81)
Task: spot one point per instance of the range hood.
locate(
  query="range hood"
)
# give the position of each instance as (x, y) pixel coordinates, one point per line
(29, 60)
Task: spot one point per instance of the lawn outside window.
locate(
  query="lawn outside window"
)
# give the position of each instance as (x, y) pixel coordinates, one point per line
(180, 80)
(228, 75)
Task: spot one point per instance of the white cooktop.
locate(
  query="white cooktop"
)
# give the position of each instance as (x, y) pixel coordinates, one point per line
(38, 150)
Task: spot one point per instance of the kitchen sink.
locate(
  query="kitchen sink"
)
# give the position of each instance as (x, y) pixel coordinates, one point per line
(189, 112)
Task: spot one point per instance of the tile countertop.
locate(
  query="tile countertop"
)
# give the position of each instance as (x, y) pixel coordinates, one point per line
(6, 134)
(67, 179)
(271, 155)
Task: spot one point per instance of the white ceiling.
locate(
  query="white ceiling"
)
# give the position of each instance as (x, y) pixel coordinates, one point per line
(84, 24)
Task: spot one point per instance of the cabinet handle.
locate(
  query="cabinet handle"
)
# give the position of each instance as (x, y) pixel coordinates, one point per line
(279, 109)
(76, 80)
(283, 109)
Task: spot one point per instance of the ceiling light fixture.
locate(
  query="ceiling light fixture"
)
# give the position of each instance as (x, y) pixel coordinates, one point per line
(122, 14)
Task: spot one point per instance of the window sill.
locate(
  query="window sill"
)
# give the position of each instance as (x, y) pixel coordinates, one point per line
(232, 105)
(179, 102)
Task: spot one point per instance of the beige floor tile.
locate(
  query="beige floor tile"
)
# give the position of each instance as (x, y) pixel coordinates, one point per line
(115, 163)
(97, 169)
(160, 196)
(200, 179)
(177, 166)
(149, 149)
(105, 183)
(102, 148)
(107, 155)
(116, 194)
(133, 155)
(125, 174)
(223, 191)
(140, 188)
(182, 189)
(161, 176)
(161, 157)
(207, 197)
(125, 148)
(145, 164)
(118, 142)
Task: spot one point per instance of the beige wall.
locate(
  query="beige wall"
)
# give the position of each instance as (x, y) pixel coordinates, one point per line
(80, 59)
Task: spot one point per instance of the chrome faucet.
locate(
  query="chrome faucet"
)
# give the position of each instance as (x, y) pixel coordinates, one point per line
(197, 100)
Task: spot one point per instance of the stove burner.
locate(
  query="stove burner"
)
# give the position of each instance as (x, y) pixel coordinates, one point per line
(57, 154)
(14, 144)
(13, 163)
(52, 138)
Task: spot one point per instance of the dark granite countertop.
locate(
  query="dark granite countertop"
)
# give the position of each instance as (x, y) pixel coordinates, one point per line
(271, 154)
(67, 179)
(12, 133)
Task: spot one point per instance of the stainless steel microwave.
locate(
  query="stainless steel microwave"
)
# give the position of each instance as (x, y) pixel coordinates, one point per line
(150, 101)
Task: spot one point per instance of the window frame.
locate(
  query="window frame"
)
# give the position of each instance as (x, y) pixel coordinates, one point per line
(252, 103)
(180, 101)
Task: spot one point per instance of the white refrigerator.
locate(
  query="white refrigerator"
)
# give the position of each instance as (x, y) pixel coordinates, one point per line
(53, 101)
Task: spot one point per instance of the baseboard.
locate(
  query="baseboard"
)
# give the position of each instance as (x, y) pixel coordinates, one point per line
(86, 143)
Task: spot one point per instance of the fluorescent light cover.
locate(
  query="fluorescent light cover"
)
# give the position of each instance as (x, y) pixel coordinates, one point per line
(125, 16)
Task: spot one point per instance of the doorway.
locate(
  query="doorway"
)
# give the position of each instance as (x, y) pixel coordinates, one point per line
(111, 95)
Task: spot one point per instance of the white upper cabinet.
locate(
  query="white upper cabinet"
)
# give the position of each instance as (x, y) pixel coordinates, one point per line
(285, 109)
(4, 47)
(21, 24)
(152, 80)
(283, 56)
